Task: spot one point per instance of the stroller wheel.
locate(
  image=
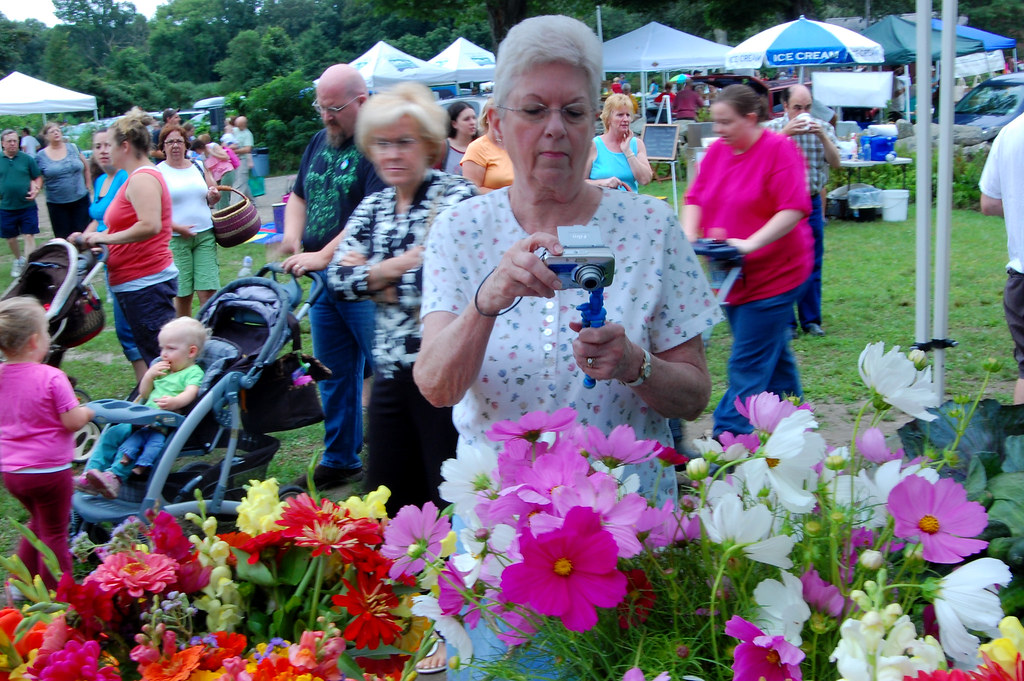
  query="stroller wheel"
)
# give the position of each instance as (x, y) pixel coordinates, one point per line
(86, 439)
(289, 491)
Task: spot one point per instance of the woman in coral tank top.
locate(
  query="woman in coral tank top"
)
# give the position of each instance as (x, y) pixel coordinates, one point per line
(142, 271)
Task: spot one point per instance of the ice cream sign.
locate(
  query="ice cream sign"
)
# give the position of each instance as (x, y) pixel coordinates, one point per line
(806, 56)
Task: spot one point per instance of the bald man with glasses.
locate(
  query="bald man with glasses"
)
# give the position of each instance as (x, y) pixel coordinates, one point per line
(333, 178)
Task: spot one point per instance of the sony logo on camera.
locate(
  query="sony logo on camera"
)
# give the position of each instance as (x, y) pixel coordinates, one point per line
(585, 262)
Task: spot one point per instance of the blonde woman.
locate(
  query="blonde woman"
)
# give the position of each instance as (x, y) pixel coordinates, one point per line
(618, 159)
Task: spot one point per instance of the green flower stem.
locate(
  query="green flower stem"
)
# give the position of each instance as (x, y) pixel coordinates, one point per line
(961, 426)
(304, 582)
(317, 584)
(719, 574)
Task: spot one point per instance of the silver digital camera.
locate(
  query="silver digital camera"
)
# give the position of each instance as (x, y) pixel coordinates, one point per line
(585, 262)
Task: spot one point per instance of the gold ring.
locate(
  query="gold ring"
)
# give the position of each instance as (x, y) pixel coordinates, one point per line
(590, 362)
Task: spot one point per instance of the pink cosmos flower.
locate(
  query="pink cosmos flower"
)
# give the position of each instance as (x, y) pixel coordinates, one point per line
(568, 572)
(821, 595)
(765, 410)
(135, 573)
(637, 674)
(599, 492)
(618, 448)
(760, 656)
(745, 441)
(871, 445)
(940, 516)
(531, 426)
(413, 537)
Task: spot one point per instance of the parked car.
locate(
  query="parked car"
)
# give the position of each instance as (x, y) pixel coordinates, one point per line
(475, 101)
(992, 104)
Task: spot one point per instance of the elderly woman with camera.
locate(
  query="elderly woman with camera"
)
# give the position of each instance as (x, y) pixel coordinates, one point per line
(501, 334)
(403, 133)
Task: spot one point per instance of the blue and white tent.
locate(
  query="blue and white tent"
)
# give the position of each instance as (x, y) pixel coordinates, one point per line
(804, 43)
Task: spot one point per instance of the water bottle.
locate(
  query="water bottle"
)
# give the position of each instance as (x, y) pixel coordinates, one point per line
(246, 270)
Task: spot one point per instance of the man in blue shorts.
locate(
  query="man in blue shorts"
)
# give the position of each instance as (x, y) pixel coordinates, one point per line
(20, 181)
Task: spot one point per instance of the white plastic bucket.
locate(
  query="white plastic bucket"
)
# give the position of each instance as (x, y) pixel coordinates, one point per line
(894, 204)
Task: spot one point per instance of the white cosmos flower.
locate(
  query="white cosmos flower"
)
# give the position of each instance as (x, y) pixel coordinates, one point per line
(480, 543)
(782, 608)
(785, 463)
(965, 601)
(897, 380)
(728, 521)
(449, 627)
(470, 476)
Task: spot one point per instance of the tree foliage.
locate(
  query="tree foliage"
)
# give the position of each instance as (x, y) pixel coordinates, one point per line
(97, 28)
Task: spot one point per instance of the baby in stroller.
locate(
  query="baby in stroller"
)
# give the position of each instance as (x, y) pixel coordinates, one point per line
(171, 384)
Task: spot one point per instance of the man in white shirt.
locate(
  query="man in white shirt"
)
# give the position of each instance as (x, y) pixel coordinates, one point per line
(245, 142)
(29, 144)
(1000, 185)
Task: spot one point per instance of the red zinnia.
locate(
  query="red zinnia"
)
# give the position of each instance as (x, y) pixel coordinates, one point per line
(636, 606)
(371, 603)
(328, 528)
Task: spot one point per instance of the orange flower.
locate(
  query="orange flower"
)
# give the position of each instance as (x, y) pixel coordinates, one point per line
(178, 668)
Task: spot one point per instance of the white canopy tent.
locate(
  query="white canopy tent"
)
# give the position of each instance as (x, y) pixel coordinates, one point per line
(21, 94)
(384, 66)
(466, 62)
(656, 47)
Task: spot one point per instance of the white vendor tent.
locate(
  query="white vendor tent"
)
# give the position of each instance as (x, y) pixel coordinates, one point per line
(384, 66)
(466, 62)
(852, 88)
(656, 47)
(21, 94)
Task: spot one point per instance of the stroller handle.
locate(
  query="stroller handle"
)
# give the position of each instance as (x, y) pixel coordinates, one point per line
(295, 288)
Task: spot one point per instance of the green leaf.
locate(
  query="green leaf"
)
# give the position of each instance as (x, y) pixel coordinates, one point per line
(348, 665)
(1006, 486)
(1012, 597)
(257, 573)
(293, 567)
(1010, 513)
(1013, 456)
(977, 480)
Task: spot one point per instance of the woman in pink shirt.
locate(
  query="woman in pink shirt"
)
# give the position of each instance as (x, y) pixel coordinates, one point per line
(751, 192)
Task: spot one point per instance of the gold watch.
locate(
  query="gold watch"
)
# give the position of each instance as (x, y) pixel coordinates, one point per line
(645, 372)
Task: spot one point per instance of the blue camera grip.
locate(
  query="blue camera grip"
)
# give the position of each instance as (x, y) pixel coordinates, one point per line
(594, 315)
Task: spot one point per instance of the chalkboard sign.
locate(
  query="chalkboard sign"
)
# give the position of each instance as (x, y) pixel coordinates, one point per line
(661, 141)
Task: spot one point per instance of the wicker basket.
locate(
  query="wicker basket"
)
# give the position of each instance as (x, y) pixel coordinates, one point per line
(237, 223)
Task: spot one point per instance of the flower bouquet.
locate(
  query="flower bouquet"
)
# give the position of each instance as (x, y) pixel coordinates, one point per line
(783, 558)
(301, 591)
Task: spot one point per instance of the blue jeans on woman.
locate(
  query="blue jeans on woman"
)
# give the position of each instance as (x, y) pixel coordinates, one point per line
(761, 359)
(343, 341)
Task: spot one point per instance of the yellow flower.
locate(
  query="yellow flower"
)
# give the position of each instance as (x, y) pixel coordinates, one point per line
(371, 506)
(261, 508)
(1003, 651)
(448, 544)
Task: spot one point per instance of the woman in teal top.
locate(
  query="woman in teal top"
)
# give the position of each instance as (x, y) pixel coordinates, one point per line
(618, 160)
(106, 181)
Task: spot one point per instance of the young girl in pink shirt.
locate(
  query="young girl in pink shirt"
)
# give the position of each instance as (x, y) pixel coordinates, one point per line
(40, 415)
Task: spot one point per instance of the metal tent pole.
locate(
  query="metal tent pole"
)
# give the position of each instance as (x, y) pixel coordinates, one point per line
(923, 199)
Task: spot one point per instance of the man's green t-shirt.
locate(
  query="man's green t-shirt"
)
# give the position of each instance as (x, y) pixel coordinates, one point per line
(16, 175)
(171, 385)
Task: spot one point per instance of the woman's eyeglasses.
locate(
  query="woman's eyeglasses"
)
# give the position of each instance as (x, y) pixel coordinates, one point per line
(574, 114)
(166, 142)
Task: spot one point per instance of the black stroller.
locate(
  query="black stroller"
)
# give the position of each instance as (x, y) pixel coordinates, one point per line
(60, 278)
(251, 321)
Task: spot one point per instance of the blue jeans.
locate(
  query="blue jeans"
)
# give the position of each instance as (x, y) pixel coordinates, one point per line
(761, 359)
(808, 303)
(343, 341)
(104, 457)
(143, 447)
(123, 330)
(146, 311)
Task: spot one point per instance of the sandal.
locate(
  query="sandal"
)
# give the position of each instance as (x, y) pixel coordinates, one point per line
(438, 647)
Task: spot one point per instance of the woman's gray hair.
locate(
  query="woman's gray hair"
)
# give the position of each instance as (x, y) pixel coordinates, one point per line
(551, 39)
(407, 99)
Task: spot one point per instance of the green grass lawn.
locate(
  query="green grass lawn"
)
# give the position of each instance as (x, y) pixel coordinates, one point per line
(868, 297)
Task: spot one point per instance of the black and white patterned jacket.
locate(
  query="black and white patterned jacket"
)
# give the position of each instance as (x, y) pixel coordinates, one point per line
(374, 231)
